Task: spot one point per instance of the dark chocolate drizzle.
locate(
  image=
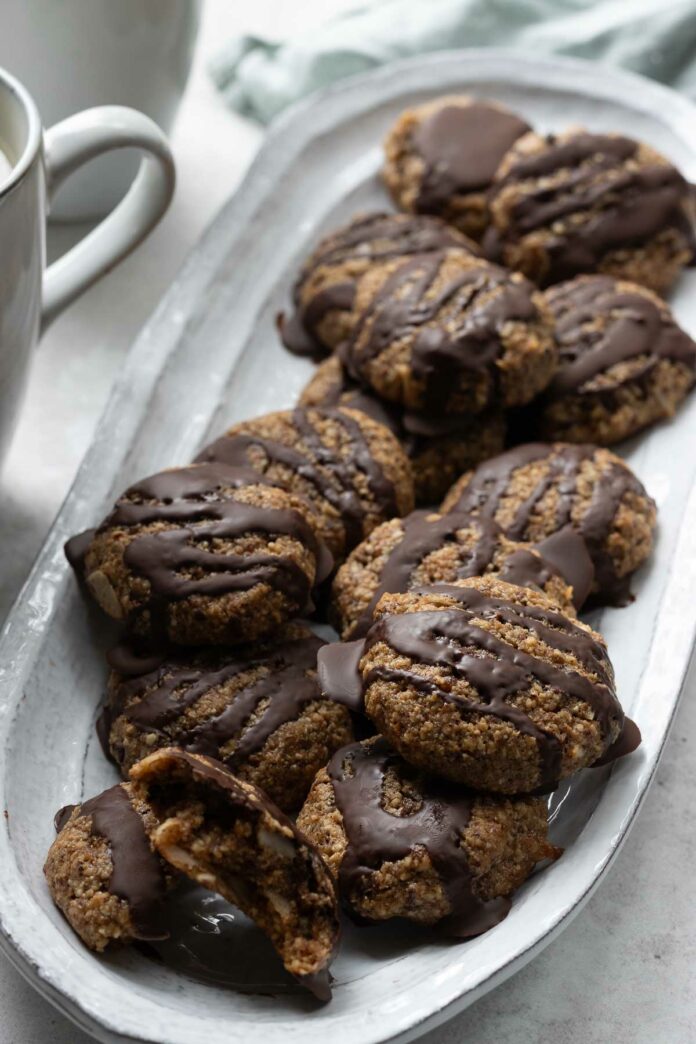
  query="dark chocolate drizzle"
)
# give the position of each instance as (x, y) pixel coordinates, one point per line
(413, 430)
(339, 675)
(132, 659)
(566, 551)
(155, 700)
(296, 339)
(333, 478)
(296, 329)
(633, 205)
(76, 548)
(636, 328)
(401, 308)
(193, 502)
(62, 816)
(440, 638)
(424, 533)
(461, 147)
(373, 238)
(628, 740)
(376, 836)
(490, 483)
(136, 874)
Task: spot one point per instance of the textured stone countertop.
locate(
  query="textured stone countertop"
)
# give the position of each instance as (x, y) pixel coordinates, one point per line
(623, 970)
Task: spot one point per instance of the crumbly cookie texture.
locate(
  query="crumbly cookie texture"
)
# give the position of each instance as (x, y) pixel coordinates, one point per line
(439, 448)
(325, 290)
(446, 333)
(401, 844)
(440, 158)
(103, 873)
(490, 685)
(205, 555)
(349, 468)
(257, 709)
(535, 490)
(426, 548)
(579, 202)
(624, 363)
(227, 836)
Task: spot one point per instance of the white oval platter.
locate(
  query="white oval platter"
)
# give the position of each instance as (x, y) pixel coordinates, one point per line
(209, 356)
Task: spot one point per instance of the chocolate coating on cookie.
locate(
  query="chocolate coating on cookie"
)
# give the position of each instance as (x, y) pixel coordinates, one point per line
(441, 158)
(448, 333)
(257, 709)
(103, 873)
(439, 448)
(349, 469)
(580, 202)
(227, 836)
(426, 548)
(624, 363)
(489, 684)
(325, 291)
(197, 555)
(405, 845)
(76, 548)
(537, 489)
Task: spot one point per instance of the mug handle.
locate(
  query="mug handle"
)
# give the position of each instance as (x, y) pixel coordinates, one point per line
(69, 145)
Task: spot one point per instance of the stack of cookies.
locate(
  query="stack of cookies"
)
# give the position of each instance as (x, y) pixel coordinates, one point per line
(429, 333)
(515, 292)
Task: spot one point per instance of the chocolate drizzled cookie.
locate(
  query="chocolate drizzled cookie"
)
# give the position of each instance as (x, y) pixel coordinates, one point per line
(325, 291)
(426, 548)
(579, 202)
(441, 158)
(348, 468)
(102, 872)
(227, 836)
(537, 489)
(402, 844)
(199, 555)
(483, 683)
(624, 363)
(256, 709)
(439, 448)
(447, 333)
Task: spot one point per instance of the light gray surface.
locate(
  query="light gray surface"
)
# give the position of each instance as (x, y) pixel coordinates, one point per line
(601, 980)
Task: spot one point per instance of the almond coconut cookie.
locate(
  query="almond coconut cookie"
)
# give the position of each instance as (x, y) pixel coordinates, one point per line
(490, 685)
(401, 844)
(579, 202)
(204, 555)
(227, 836)
(426, 548)
(624, 363)
(446, 333)
(324, 294)
(349, 469)
(102, 872)
(257, 709)
(537, 489)
(441, 158)
(439, 448)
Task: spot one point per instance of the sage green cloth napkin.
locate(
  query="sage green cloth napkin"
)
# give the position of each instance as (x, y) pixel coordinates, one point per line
(260, 77)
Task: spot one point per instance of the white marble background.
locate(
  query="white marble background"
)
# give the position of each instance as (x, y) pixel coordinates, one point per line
(623, 971)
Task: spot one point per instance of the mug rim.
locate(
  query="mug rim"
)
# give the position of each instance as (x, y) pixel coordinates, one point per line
(34, 131)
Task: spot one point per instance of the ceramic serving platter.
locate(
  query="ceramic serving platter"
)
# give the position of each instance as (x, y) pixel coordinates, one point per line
(210, 356)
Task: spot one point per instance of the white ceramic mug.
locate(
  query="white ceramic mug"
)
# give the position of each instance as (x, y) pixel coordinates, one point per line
(31, 295)
(75, 54)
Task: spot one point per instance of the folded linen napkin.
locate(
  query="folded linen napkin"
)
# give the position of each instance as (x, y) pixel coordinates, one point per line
(259, 77)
